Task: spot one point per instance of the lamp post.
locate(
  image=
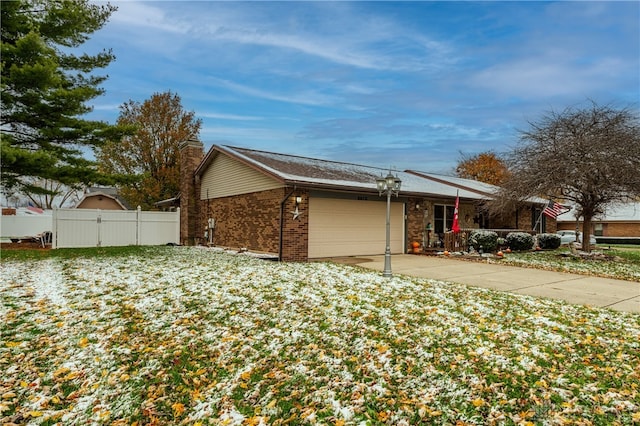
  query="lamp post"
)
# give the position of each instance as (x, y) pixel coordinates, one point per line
(389, 185)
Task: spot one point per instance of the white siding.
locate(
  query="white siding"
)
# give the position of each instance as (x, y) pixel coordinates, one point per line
(227, 176)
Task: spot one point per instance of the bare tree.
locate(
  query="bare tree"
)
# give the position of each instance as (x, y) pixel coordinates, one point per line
(588, 157)
(56, 194)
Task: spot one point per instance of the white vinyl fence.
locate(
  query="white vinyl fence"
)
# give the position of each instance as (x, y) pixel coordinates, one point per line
(18, 227)
(103, 228)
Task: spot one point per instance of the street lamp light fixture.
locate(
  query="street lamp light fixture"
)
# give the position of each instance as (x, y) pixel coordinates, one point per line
(389, 185)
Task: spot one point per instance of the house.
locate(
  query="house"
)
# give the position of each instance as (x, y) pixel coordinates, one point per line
(618, 221)
(102, 198)
(302, 208)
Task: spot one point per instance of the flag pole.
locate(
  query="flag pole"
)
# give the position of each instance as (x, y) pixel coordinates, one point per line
(538, 222)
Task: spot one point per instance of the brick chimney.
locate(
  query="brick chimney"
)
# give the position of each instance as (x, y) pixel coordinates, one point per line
(191, 154)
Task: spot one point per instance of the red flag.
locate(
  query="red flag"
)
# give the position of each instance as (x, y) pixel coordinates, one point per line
(456, 226)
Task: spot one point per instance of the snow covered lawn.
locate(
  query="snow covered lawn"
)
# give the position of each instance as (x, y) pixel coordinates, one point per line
(622, 269)
(179, 335)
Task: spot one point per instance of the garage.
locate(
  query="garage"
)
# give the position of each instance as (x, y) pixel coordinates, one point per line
(348, 227)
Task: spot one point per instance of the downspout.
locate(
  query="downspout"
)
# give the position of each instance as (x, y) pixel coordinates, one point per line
(284, 200)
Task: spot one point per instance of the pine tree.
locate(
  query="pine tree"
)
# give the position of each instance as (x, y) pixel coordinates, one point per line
(45, 90)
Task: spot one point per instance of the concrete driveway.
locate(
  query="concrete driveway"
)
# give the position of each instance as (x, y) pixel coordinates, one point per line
(578, 289)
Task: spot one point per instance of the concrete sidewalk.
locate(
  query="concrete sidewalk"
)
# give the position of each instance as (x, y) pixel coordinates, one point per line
(578, 289)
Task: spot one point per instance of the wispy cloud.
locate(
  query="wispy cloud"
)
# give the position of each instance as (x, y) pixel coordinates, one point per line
(146, 15)
(309, 97)
(376, 43)
(232, 117)
(320, 77)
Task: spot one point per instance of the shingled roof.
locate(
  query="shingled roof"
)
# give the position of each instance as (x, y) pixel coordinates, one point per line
(335, 175)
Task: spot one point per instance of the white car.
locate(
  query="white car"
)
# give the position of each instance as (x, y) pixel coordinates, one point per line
(568, 237)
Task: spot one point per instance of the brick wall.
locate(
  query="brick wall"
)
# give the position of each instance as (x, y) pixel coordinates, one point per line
(610, 229)
(249, 221)
(295, 235)
(621, 229)
(416, 220)
(252, 221)
(191, 154)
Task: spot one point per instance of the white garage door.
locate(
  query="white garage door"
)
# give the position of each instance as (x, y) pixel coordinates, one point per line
(353, 227)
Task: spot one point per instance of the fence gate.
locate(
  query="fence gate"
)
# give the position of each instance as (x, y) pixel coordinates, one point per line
(102, 228)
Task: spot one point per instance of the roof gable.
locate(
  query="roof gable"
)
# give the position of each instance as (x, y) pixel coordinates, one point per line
(228, 176)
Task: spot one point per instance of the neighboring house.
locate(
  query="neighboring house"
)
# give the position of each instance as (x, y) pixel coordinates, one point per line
(103, 199)
(621, 220)
(302, 208)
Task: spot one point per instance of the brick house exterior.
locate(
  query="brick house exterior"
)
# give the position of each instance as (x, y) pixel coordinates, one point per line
(253, 221)
(191, 153)
(618, 221)
(300, 208)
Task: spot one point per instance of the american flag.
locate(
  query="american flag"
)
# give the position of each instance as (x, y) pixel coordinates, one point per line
(34, 209)
(554, 209)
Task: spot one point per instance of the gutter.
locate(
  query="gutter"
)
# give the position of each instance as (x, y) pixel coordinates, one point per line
(284, 200)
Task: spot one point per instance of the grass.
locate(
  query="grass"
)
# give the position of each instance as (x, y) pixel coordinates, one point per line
(627, 266)
(178, 335)
(622, 263)
(72, 253)
(630, 253)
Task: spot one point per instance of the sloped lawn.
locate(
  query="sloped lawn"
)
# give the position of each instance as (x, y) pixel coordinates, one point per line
(194, 336)
(617, 264)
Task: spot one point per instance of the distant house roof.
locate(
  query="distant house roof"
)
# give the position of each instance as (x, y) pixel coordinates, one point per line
(628, 212)
(325, 174)
(104, 190)
(107, 192)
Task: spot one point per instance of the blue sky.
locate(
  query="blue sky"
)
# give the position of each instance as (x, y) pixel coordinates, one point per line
(408, 85)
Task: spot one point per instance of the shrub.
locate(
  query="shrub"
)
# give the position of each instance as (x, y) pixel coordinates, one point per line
(487, 239)
(519, 241)
(549, 241)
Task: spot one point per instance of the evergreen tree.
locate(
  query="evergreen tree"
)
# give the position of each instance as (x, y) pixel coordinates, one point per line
(45, 90)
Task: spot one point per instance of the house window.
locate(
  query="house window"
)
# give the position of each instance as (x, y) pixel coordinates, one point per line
(442, 218)
(598, 230)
